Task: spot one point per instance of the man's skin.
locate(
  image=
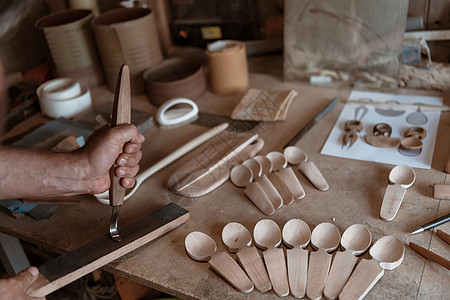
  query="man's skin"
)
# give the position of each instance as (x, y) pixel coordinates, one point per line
(27, 172)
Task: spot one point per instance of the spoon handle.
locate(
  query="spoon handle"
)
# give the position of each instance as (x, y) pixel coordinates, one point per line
(366, 275)
(310, 170)
(256, 194)
(253, 265)
(292, 182)
(342, 267)
(319, 265)
(226, 266)
(276, 267)
(297, 262)
(281, 186)
(271, 192)
(392, 199)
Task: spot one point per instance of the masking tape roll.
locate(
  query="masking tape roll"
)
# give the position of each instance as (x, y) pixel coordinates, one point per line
(63, 98)
(228, 70)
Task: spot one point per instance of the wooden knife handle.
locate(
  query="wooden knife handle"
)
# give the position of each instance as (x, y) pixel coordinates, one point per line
(121, 114)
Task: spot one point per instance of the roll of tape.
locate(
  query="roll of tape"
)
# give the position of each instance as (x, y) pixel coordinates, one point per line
(63, 98)
(60, 88)
(228, 70)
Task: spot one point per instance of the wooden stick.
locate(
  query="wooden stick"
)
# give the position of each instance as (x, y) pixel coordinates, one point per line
(444, 236)
(441, 191)
(68, 267)
(430, 255)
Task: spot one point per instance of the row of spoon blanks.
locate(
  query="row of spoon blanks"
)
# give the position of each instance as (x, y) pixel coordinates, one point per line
(315, 276)
(269, 183)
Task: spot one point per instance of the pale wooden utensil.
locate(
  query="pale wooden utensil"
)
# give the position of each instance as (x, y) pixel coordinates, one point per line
(255, 166)
(286, 175)
(241, 176)
(325, 238)
(278, 161)
(202, 247)
(237, 239)
(296, 235)
(355, 240)
(267, 237)
(401, 178)
(268, 187)
(388, 253)
(296, 156)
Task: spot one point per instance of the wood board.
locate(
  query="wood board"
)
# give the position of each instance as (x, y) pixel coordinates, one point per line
(68, 267)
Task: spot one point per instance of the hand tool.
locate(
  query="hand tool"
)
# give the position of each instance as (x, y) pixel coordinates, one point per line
(121, 114)
(351, 128)
(432, 224)
(312, 122)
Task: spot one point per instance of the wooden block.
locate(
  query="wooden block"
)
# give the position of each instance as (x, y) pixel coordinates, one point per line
(71, 266)
(441, 191)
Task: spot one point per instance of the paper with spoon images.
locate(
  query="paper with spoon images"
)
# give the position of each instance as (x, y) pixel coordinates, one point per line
(400, 120)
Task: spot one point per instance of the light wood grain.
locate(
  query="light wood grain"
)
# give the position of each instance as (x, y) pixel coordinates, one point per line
(355, 240)
(237, 238)
(267, 236)
(202, 247)
(68, 267)
(388, 253)
(296, 235)
(402, 177)
(441, 191)
(325, 237)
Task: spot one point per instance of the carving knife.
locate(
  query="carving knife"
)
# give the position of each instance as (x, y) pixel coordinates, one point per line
(121, 114)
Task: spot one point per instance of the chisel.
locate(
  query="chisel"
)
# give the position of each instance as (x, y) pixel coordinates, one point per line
(121, 115)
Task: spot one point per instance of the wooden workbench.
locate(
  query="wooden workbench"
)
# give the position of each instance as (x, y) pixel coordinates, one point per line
(355, 195)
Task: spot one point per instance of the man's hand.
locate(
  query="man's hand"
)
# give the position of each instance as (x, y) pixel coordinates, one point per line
(104, 148)
(14, 288)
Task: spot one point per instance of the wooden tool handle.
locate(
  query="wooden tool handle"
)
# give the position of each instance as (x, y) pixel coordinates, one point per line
(430, 255)
(121, 115)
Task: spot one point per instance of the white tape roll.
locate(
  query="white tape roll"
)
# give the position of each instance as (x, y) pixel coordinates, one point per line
(63, 98)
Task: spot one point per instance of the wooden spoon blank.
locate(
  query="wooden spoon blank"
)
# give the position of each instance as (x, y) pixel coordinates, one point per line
(259, 198)
(267, 235)
(202, 247)
(296, 234)
(310, 170)
(282, 187)
(356, 240)
(392, 199)
(292, 182)
(237, 238)
(325, 237)
(271, 192)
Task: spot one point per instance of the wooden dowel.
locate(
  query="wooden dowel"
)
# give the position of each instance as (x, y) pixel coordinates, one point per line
(430, 255)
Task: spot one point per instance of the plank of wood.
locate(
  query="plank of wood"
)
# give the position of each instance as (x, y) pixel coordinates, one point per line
(68, 267)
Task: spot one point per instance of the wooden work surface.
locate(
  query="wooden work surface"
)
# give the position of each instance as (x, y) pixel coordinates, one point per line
(355, 195)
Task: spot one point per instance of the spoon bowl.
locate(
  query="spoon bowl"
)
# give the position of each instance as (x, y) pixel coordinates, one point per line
(356, 238)
(200, 246)
(241, 175)
(277, 159)
(236, 237)
(294, 155)
(403, 175)
(267, 234)
(389, 251)
(325, 236)
(255, 166)
(296, 234)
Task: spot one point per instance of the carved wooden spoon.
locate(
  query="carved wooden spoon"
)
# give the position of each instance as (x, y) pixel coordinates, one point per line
(202, 247)
(355, 240)
(401, 178)
(286, 175)
(241, 176)
(267, 237)
(237, 238)
(296, 156)
(266, 184)
(325, 237)
(296, 235)
(388, 253)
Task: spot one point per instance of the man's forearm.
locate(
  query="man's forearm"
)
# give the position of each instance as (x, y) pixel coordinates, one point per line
(34, 173)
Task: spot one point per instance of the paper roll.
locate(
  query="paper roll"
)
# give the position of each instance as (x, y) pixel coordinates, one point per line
(72, 46)
(228, 70)
(127, 36)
